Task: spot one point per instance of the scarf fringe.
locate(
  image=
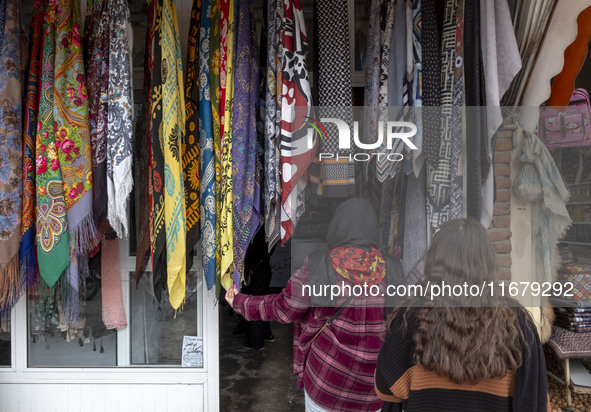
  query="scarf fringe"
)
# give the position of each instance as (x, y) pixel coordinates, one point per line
(84, 238)
(28, 268)
(69, 298)
(117, 213)
(11, 287)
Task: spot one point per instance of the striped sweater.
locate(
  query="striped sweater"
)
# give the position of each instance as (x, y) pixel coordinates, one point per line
(409, 387)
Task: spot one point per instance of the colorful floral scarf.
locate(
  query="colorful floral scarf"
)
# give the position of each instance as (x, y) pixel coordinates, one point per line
(120, 117)
(244, 138)
(143, 153)
(173, 125)
(206, 142)
(53, 241)
(226, 223)
(27, 255)
(191, 147)
(296, 106)
(12, 53)
(72, 137)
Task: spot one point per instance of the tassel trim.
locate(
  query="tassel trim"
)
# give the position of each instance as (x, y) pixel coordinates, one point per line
(84, 238)
(11, 287)
(117, 213)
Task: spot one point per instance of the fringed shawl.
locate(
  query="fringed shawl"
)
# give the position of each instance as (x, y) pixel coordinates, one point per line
(12, 57)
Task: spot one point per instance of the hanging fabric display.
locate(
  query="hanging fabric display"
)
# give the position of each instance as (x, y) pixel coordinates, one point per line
(397, 86)
(218, 140)
(372, 72)
(272, 157)
(337, 175)
(53, 242)
(388, 14)
(27, 253)
(158, 232)
(97, 71)
(191, 146)
(120, 117)
(431, 45)
(143, 156)
(206, 143)
(225, 246)
(12, 61)
(476, 130)
(416, 85)
(444, 202)
(173, 126)
(296, 154)
(246, 213)
(112, 297)
(72, 138)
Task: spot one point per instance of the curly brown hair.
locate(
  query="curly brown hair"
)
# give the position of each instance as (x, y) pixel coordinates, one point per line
(469, 340)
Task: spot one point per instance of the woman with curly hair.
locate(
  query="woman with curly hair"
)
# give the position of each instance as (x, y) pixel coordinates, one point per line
(462, 353)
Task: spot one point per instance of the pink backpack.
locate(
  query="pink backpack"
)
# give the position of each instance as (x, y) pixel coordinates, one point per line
(568, 128)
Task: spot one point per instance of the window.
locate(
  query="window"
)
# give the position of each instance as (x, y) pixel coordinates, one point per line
(5, 340)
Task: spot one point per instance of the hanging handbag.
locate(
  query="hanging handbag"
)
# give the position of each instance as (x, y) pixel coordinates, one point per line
(570, 127)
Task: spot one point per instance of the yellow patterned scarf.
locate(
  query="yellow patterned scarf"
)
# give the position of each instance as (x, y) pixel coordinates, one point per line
(226, 227)
(173, 123)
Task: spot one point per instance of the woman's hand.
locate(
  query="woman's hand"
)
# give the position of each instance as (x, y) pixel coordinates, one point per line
(230, 296)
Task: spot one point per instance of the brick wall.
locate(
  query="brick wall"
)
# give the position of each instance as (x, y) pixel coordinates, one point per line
(500, 230)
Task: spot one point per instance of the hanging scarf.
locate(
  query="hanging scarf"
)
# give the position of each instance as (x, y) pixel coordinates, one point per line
(431, 46)
(120, 118)
(97, 70)
(217, 112)
(173, 128)
(72, 139)
(416, 86)
(143, 153)
(27, 256)
(218, 141)
(337, 176)
(207, 160)
(476, 132)
(226, 223)
(388, 13)
(372, 70)
(158, 233)
(191, 147)
(53, 241)
(244, 138)
(11, 73)
(439, 178)
(112, 297)
(272, 181)
(296, 156)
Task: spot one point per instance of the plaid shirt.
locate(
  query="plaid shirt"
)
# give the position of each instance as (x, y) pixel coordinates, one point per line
(338, 371)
